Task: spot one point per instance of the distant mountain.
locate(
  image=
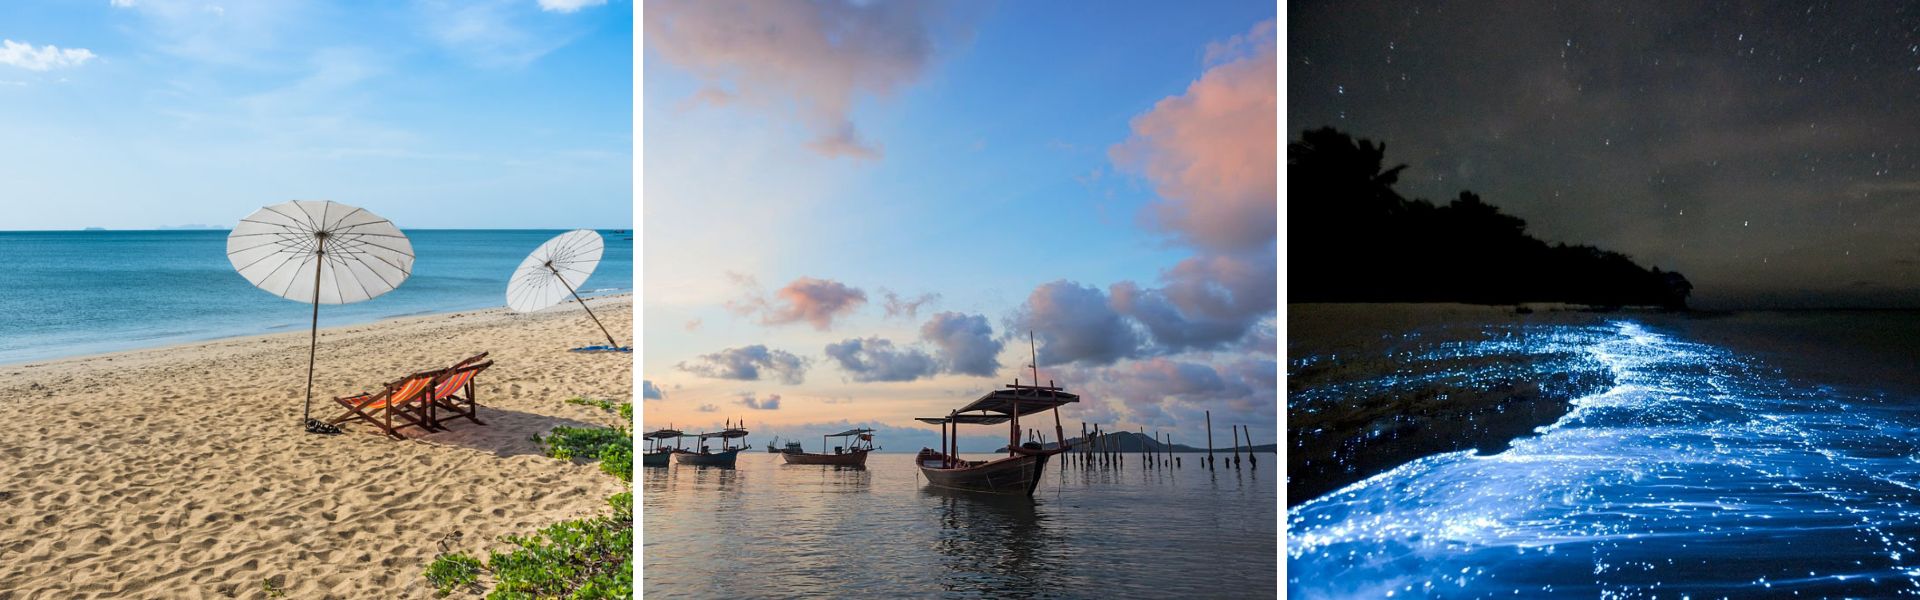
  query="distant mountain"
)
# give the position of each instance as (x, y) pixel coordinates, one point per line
(1129, 441)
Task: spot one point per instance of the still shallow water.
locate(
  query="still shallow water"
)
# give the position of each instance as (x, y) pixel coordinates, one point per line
(771, 530)
(1698, 473)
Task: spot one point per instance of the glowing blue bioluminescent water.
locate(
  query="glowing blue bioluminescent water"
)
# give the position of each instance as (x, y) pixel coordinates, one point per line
(1698, 473)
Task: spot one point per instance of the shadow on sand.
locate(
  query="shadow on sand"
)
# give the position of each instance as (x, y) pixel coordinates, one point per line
(506, 432)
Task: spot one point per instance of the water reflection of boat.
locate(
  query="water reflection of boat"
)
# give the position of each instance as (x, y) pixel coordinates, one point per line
(1019, 472)
(657, 453)
(852, 453)
(999, 546)
(704, 456)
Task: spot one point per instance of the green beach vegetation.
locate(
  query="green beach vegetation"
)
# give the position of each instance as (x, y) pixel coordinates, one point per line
(581, 559)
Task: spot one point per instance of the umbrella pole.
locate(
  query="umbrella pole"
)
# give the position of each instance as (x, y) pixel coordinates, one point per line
(583, 305)
(313, 343)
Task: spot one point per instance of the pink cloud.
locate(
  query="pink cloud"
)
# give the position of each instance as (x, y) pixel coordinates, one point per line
(816, 301)
(817, 58)
(1210, 153)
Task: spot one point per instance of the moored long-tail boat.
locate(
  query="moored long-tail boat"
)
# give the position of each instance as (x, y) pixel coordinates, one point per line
(658, 454)
(1019, 472)
(704, 456)
(852, 453)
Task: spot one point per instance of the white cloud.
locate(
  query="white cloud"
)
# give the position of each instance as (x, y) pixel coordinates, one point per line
(494, 33)
(257, 34)
(565, 6)
(123, 3)
(44, 58)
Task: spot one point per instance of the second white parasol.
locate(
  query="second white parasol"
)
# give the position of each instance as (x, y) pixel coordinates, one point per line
(555, 271)
(319, 252)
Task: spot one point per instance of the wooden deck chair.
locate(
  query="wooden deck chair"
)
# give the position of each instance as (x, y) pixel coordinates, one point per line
(476, 358)
(404, 400)
(453, 392)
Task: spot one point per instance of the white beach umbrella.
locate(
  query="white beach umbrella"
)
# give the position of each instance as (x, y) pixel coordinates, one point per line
(555, 271)
(319, 252)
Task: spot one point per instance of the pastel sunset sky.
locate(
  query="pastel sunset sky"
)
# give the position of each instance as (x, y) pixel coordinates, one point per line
(855, 213)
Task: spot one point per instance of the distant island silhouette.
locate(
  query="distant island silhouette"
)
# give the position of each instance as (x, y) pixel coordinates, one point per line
(1353, 238)
(1132, 442)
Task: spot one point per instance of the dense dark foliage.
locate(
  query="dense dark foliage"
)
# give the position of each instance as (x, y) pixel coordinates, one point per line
(1352, 238)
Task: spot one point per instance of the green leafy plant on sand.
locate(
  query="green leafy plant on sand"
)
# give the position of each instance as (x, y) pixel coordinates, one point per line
(455, 571)
(582, 559)
(612, 447)
(607, 405)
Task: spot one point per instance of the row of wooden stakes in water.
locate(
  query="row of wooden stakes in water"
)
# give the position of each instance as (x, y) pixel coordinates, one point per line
(1096, 449)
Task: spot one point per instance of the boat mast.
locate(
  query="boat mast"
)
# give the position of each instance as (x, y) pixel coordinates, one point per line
(1036, 357)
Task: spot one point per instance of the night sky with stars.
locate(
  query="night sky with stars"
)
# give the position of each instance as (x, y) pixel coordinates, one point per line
(1769, 152)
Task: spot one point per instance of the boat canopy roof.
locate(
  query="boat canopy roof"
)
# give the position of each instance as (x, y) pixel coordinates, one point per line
(966, 419)
(727, 434)
(663, 434)
(1027, 399)
(850, 432)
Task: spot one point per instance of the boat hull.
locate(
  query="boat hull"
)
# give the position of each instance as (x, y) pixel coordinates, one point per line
(656, 459)
(849, 459)
(1017, 475)
(711, 459)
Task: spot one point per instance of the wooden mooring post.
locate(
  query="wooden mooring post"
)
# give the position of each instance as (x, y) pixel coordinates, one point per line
(1236, 445)
(1254, 462)
(1209, 440)
(1143, 447)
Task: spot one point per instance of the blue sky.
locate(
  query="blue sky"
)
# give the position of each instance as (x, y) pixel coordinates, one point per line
(156, 113)
(981, 166)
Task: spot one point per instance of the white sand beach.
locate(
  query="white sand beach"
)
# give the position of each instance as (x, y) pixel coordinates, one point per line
(182, 472)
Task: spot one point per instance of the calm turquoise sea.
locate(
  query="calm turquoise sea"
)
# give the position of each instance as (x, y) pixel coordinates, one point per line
(67, 293)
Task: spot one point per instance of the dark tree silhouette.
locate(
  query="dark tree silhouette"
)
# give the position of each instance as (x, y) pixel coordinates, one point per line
(1352, 238)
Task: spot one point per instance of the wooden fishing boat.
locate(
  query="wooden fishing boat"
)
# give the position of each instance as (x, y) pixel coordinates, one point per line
(851, 452)
(770, 443)
(657, 453)
(1020, 471)
(705, 456)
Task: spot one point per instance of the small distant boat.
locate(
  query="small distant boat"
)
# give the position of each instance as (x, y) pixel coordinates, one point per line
(707, 457)
(658, 454)
(855, 444)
